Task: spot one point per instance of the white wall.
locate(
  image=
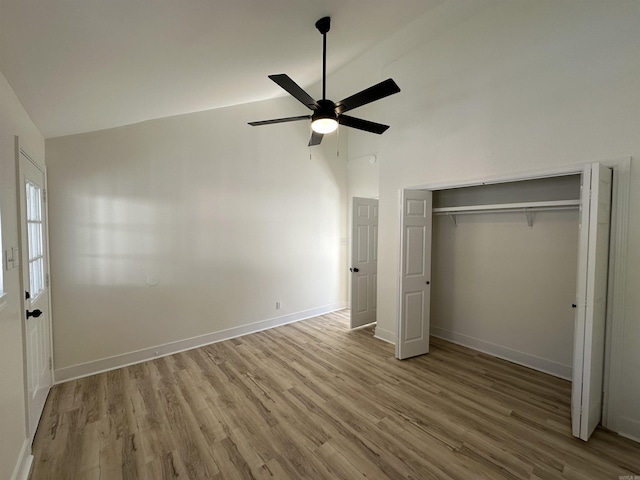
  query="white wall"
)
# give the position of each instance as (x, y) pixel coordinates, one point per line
(507, 289)
(227, 218)
(13, 434)
(363, 178)
(521, 86)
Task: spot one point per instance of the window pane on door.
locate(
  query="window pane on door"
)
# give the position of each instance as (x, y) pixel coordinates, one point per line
(34, 237)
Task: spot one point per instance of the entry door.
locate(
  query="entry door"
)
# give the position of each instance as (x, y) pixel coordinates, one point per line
(591, 301)
(35, 276)
(415, 272)
(364, 259)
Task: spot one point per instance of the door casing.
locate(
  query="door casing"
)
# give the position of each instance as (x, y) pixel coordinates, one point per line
(32, 417)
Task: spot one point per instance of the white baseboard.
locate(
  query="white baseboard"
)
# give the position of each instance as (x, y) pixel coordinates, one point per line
(515, 356)
(118, 361)
(629, 428)
(386, 335)
(24, 463)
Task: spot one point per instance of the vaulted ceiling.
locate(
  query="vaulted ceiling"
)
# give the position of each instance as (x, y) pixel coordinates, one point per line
(84, 65)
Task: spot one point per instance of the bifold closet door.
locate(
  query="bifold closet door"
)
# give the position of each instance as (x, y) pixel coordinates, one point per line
(415, 273)
(591, 301)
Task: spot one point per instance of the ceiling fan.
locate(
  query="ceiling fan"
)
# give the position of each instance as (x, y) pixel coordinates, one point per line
(328, 114)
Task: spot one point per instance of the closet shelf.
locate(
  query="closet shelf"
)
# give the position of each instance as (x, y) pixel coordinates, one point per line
(528, 208)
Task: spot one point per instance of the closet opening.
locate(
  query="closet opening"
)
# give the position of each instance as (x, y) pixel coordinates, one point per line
(501, 266)
(503, 271)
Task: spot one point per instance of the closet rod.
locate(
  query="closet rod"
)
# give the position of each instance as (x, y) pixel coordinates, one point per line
(509, 207)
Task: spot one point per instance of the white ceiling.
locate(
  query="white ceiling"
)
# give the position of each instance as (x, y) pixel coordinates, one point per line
(85, 65)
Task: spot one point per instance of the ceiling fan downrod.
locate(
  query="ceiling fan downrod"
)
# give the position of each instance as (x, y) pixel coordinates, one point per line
(324, 25)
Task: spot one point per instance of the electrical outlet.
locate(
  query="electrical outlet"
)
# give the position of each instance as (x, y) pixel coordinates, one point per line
(278, 305)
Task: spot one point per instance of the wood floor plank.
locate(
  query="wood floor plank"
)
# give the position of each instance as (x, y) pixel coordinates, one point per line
(315, 400)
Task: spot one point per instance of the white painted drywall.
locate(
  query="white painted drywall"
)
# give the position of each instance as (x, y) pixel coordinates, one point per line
(520, 86)
(14, 120)
(363, 177)
(227, 218)
(505, 288)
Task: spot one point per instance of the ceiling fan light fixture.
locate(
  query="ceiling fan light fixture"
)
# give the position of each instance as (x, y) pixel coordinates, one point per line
(325, 118)
(324, 125)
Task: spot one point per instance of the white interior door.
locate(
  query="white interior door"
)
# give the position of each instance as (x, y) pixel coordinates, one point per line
(591, 301)
(364, 259)
(35, 274)
(415, 272)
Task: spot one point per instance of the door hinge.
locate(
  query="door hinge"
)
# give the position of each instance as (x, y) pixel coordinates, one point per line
(50, 363)
(46, 280)
(44, 195)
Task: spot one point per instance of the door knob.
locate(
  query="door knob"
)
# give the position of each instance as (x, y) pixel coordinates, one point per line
(354, 269)
(36, 313)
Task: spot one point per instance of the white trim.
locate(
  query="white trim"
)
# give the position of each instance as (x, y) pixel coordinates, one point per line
(614, 337)
(118, 361)
(393, 337)
(27, 404)
(24, 463)
(507, 178)
(629, 428)
(385, 335)
(521, 358)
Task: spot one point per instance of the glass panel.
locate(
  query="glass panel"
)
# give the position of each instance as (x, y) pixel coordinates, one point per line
(35, 238)
(29, 202)
(38, 205)
(30, 233)
(38, 246)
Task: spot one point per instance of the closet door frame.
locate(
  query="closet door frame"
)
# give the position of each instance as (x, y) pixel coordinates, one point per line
(617, 260)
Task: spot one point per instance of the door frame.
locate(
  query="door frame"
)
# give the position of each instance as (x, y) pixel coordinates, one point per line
(614, 338)
(20, 150)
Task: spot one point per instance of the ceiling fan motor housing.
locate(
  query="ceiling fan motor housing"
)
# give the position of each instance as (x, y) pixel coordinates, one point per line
(326, 109)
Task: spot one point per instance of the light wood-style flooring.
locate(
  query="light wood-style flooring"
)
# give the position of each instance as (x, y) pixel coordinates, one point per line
(314, 400)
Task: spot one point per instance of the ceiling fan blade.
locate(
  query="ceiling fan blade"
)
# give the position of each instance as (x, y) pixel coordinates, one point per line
(360, 124)
(280, 120)
(315, 139)
(368, 95)
(294, 89)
